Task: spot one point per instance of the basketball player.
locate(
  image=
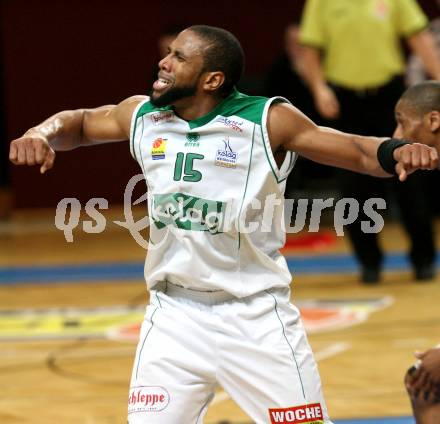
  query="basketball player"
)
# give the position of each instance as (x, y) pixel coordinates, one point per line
(418, 114)
(219, 307)
(418, 119)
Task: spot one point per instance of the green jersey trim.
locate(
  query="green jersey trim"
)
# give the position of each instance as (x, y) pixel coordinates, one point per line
(268, 158)
(141, 159)
(238, 104)
(142, 109)
(133, 126)
(149, 108)
(279, 174)
(245, 187)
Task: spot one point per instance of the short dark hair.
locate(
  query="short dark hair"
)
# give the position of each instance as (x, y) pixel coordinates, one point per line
(423, 97)
(223, 53)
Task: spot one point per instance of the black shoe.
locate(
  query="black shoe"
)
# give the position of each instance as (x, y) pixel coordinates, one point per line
(370, 275)
(424, 273)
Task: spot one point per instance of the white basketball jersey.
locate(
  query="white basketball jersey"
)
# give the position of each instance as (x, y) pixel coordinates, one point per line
(215, 196)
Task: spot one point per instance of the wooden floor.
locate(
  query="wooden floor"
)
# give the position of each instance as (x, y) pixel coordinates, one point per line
(74, 378)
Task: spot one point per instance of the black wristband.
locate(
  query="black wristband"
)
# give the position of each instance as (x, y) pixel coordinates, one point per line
(385, 154)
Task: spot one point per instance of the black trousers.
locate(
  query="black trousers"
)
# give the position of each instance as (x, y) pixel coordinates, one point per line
(372, 113)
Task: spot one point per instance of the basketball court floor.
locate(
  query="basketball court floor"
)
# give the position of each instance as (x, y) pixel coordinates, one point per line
(70, 314)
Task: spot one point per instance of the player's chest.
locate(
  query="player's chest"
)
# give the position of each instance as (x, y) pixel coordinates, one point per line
(177, 152)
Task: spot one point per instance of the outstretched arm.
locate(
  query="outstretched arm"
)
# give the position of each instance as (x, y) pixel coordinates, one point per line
(290, 129)
(70, 129)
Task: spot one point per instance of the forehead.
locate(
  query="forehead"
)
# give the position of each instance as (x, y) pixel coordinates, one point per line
(404, 109)
(188, 43)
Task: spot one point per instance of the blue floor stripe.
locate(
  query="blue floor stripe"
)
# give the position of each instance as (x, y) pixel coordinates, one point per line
(64, 274)
(324, 264)
(342, 263)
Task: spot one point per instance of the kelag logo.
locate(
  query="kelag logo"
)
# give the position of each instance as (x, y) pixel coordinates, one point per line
(227, 157)
(188, 212)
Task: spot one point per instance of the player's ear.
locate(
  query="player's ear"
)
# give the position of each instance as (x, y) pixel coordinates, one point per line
(434, 121)
(213, 80)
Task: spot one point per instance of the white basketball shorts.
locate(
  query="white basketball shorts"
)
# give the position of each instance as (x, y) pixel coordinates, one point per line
(254, 347)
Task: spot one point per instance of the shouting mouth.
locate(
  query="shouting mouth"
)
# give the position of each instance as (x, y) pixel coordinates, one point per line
(161, 83)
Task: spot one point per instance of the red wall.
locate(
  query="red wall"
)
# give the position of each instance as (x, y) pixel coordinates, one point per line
(60, 55)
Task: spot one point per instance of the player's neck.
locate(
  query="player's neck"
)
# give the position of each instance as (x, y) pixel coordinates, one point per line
(196, 106)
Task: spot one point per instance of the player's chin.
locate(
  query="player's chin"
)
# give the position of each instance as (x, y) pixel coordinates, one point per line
(155, 97)
(161, 90)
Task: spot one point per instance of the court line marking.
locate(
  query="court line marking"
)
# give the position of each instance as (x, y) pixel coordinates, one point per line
(411, 343)
(332, 350)
(84, 353)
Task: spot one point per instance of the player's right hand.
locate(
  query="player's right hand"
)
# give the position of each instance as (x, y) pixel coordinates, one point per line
(32, 149)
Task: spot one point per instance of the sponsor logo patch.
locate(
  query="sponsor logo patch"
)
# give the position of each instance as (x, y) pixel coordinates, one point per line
(147, 399)
(230, 123)
(161, 117)
(158, 148)
(188, 212)
(226, 157)
(192, 140)
(303, 414)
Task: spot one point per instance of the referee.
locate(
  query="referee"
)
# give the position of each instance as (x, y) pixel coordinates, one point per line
(355, 66)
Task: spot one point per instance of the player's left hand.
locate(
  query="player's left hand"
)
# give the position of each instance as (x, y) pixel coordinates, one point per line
(412, 157)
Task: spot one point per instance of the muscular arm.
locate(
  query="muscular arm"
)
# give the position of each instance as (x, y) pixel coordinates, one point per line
(70, 129)
(289, 129)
